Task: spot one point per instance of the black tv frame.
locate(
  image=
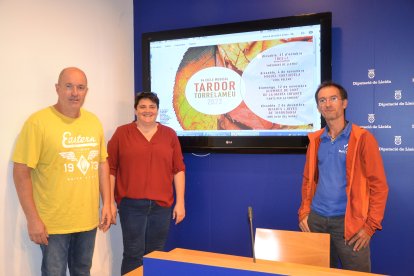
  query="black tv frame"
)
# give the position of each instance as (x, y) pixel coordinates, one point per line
(245, 144)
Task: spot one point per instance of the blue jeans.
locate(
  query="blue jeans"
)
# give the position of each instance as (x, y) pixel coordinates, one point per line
(340, 252)
(74, 250)
(144, 229)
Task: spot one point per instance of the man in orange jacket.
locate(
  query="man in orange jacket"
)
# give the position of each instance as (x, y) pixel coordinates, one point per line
(344, 188)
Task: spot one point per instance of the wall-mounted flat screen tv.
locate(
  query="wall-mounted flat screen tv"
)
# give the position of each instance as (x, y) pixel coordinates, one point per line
(246, 86)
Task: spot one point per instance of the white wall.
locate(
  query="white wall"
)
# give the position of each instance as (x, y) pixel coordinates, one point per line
(38, 39)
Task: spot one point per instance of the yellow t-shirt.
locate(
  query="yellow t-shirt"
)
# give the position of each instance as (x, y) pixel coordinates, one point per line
(64, 154)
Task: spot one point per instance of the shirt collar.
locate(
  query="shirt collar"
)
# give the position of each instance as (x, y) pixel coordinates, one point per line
(346, 132)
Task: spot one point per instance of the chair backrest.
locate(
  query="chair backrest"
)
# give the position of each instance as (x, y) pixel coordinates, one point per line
(292, 246)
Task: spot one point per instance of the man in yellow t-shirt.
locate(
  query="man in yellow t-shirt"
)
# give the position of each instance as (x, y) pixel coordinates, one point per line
(59, 170)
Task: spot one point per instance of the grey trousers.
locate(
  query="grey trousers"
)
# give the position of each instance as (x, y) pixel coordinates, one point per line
(341, 253)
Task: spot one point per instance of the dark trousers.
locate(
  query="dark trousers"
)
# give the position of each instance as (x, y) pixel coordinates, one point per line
(340, 252)
(144, 229)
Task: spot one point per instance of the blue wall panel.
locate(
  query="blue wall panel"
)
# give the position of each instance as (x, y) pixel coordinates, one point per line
(366, 35)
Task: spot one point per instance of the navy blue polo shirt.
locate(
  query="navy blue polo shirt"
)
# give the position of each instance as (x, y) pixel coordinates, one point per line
(330, 196)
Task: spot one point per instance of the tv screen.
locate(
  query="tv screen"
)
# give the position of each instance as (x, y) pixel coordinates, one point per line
(246, 86)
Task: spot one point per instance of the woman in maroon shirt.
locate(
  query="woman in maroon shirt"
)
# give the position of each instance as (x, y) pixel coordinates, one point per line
(145, 160)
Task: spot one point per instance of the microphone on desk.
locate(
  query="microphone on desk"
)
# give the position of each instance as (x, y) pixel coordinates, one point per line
(250, 215)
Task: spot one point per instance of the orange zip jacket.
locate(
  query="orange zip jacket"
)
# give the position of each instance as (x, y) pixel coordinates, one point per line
(366, 186)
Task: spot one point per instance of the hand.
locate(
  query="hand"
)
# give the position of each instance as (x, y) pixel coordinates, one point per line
(303, 225)
(37, 231)
(106, 219)
(360, 240)
(113, 213)
(178, 213)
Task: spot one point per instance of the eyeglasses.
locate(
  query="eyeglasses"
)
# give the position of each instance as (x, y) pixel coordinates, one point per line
(332, 99)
